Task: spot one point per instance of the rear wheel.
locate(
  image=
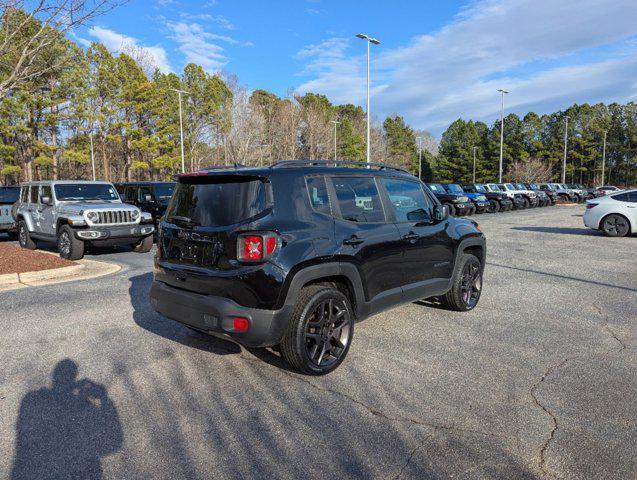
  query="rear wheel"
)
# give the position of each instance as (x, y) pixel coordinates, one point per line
(24, 238)
(144, 245)
(615, 226)
(319, 332)
(494, 206)
(466, 285)
(69, 247)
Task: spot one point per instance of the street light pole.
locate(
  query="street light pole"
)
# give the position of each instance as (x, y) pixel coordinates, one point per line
(419, 158)
(335, 124)
(369, 42)
(90, 136)
(502, 92)
(603, 158)
(181, 128)
(565, 143)
(474, 164)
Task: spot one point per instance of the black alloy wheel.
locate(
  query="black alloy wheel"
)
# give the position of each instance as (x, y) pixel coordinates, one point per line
(615, 226)
(493, 207)
(471, 284)
(320, 330)
(466, 285)
(327, 333)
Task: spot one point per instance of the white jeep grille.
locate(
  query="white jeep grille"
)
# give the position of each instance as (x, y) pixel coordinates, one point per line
(114, 217)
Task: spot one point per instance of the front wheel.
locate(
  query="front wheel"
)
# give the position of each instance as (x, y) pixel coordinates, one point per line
(144, 245)
(466, 285)
(494, 206)
(69, 247)
(24, 238)
(525, 203)
(319, 332)
(615, 226)
(452, 209)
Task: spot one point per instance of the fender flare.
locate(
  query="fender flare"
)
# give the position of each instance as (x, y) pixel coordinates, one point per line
(472, 242)
(324, 270)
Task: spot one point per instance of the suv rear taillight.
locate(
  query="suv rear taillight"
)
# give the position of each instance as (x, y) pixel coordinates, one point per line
(256, 247)
(591, 205)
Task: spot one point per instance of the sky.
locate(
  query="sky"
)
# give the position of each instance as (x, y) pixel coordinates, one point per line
(437, 60)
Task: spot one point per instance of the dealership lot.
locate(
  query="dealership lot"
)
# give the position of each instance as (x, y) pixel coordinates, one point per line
(538, 381)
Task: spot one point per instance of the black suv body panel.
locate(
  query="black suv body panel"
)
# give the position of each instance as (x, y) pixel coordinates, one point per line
(200, 282)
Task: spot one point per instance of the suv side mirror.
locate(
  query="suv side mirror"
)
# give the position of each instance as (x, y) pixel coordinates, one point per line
(441, 212)
(45, 200)
(148, 198)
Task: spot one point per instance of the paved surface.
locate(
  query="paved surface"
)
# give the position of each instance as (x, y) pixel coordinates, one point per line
(539, 381)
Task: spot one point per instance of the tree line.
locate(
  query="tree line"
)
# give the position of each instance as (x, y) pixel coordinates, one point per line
(70, 110)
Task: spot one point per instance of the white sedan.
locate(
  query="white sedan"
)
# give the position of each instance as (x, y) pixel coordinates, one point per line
(614, 214)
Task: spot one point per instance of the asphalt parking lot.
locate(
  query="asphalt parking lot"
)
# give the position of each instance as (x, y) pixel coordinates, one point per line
(539, 381)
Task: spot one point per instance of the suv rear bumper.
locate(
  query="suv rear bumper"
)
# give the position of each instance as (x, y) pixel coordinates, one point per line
(214, 315)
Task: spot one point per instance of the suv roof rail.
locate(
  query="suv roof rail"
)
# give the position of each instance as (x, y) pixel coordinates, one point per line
(329, 163)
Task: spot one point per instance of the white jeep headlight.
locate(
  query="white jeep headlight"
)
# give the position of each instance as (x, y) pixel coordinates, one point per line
(92, 217)
(135, 215)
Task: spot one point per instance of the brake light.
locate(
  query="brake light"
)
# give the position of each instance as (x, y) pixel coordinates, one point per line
(240, 324)
(254, 247)
(591, 205)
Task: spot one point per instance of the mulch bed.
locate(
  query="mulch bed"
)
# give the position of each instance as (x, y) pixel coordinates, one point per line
(14, 259)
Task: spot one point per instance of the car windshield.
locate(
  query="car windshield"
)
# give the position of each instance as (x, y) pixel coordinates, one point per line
(436, 187)
(480, 188)
(455, 188)
(509, 186)
(9, 194)
(85, 191)
(520, 186)
(534, 186)
(163, 191)
(494, 188)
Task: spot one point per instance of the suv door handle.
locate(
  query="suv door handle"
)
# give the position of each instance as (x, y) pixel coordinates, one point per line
(353, 240)
(411, 236)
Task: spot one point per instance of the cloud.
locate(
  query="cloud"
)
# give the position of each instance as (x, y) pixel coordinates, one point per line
(549, 54)
(197, 46)
(118, 42)
(219, 20)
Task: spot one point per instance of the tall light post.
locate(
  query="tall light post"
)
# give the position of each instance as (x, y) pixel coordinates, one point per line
(90, 136)
(181, 128)
(565, 144)
(474, 164)
(335, 124)
(502, 93)
(603, 158)
(369, 42)
(419, 158)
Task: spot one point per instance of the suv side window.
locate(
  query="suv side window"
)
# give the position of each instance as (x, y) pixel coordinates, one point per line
(358, 199)
(142, 192)
(407, 199)
(24, 194)
(317, 190)
(34, 194)
(45, 191)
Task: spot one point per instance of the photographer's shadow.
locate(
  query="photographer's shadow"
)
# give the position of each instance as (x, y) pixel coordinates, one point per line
(64, 431)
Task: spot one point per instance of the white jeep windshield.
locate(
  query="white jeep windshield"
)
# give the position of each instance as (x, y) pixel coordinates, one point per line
(85, 191)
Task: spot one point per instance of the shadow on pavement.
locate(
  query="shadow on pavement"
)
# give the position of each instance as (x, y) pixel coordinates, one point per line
(65, 430)
(560, 230)
(148, 319)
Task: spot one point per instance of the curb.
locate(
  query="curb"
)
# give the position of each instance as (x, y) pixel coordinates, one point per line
(84, 270)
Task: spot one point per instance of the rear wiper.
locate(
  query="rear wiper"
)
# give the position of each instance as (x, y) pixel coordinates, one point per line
(186, 220)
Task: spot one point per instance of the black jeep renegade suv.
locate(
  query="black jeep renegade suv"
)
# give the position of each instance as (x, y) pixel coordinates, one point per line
(293, 254)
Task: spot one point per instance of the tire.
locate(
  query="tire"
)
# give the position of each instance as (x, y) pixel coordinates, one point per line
(472, 211)
(24, 238)
(615, 225)
(525, 203)
(144, 245)
(494, 206)
(466, 284)
(452, 209)
(308, 333)
(69, 247)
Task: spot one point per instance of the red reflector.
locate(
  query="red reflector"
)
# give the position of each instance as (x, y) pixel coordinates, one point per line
(591, 205)
(240, 324)
(270, 245)
(252, 247)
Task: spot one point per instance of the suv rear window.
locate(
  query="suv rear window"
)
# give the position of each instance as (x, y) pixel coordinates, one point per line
(9, 194)
(217, 202)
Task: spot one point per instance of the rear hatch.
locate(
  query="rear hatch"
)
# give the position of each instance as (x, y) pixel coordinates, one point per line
(199, 232)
